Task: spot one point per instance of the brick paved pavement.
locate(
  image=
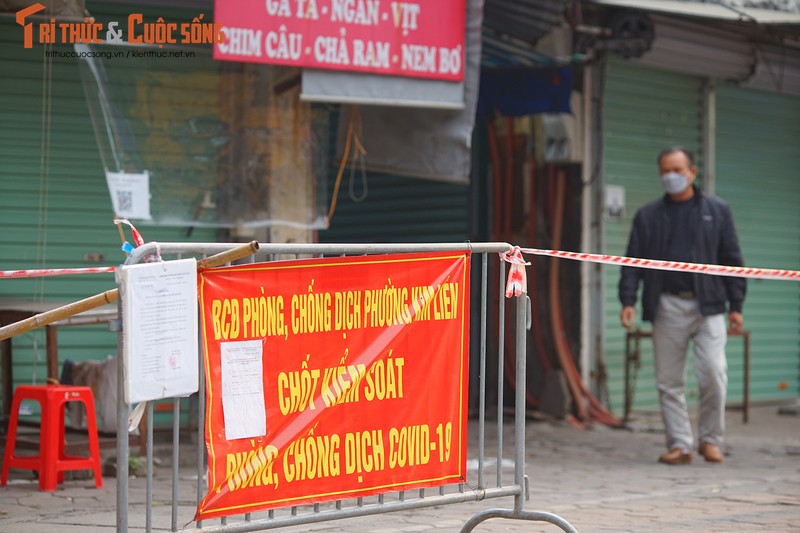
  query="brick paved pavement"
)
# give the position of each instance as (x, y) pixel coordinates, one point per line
(600, 480)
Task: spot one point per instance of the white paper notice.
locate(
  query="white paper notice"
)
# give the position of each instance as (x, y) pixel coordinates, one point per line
(159, 313)
(243, 390)
(130, 194)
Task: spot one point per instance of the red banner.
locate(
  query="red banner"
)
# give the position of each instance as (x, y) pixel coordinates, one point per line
(421, 39)
(334, 378)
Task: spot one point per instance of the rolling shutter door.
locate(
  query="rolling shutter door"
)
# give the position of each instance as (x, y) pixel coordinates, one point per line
(757, 164)
(645, 110)
(62, 213)
(398, 209)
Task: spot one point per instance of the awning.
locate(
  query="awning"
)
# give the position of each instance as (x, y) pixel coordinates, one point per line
(503, 51)
(708, 10)
(526, 20)
(376, 89)
(721, 50)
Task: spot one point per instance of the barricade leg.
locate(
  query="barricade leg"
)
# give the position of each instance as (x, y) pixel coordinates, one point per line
(536, 516)
(518, 513)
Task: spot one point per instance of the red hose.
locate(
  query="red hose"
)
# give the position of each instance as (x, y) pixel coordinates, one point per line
(579, 392)
(494, 157)
(533, 284)
(551, 192)
(556, 320)
(499, 230)
(508, 356)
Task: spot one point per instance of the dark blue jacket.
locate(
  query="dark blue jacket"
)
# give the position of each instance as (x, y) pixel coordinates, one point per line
(715, 243)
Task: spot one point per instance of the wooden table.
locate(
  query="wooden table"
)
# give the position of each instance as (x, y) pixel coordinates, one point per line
(633, 359)
(16, 309)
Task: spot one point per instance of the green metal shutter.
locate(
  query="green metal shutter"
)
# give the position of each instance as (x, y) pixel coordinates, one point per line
(645, 110)
(67, 215)
(758, 134)
(398, 209)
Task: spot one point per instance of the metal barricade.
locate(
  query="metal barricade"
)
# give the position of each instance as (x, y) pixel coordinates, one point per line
(485, 486)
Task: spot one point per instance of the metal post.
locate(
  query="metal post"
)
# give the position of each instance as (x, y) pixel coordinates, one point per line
(746, 408)
(519, 407)
(122, 432)
(482, 375)
(201, 427)
(628, 358)
(176, 445)
(501, 304)
(149, 486)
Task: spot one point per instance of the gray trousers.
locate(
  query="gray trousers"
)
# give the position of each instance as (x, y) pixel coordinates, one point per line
(677, 321)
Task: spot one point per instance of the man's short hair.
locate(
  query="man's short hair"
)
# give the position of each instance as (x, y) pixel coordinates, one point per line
(672, 149)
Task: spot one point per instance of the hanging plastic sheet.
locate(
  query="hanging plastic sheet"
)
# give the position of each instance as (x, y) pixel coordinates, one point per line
(425, 143)
(187, 141)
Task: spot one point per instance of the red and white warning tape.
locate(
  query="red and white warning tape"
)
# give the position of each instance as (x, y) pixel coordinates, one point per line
(719, 270)
(517, 280)
(39, 273)
(53, 272)
(137, 237)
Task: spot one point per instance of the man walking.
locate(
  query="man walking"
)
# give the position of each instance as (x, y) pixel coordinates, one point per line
(689, 226)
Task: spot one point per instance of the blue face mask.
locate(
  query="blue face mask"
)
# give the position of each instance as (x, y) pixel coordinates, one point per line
(674, 183)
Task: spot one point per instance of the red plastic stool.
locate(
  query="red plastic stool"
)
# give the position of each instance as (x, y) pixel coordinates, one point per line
(52, 461)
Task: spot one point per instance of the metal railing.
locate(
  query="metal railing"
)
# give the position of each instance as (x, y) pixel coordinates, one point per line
(355, 507)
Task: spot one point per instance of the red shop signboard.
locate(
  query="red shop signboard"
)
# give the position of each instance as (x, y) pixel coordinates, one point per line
(420, 39)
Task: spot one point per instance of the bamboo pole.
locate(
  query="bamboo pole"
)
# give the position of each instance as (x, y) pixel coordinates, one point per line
(48, 317)
(233, 254)
(110, 296)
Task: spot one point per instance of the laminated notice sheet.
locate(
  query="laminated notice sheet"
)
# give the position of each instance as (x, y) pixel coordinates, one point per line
(159, 313)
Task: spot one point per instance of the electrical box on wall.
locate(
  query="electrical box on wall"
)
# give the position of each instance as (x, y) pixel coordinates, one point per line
(559, 135)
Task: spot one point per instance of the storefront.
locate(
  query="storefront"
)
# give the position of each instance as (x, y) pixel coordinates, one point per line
(744, 133)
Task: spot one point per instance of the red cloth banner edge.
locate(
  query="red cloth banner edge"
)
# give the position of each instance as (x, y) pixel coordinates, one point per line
(206, 513)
